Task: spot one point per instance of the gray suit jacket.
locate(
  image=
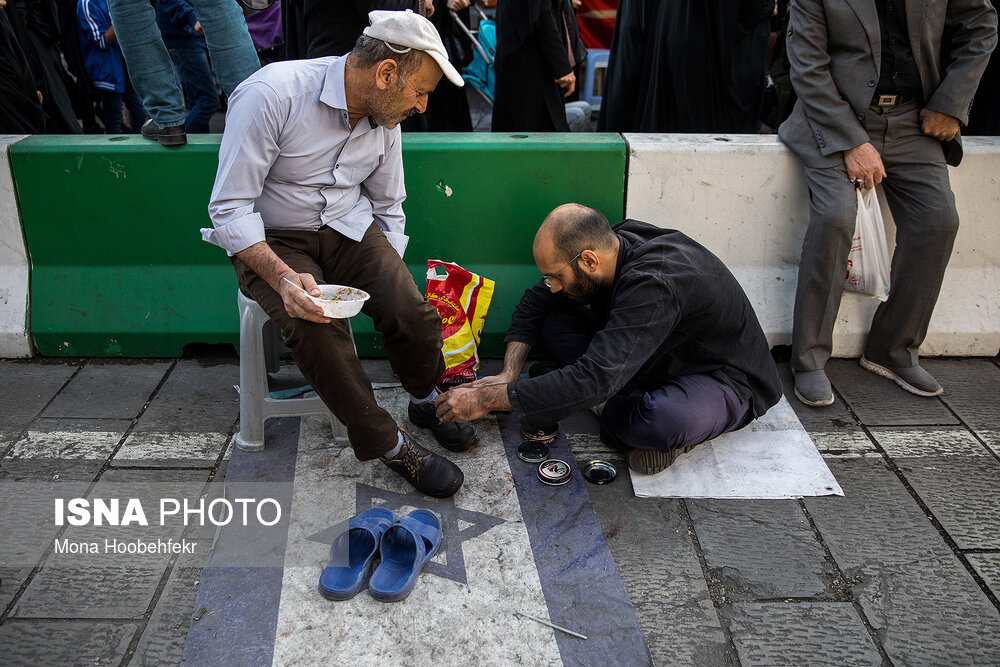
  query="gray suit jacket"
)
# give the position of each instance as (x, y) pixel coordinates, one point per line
(834, 47)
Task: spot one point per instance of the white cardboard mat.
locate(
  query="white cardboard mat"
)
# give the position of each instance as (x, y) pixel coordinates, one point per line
(771, 458)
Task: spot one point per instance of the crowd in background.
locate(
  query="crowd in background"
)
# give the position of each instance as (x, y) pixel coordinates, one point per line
(675, 65)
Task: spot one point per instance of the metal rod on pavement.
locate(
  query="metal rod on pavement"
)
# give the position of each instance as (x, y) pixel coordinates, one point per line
(551, 625)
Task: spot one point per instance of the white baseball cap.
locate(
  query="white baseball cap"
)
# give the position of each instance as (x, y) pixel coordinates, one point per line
(414, 32)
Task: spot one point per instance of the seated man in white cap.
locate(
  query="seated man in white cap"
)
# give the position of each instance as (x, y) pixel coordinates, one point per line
(309, 160)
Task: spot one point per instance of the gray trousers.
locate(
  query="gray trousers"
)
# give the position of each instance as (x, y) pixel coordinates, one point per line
(923, 208)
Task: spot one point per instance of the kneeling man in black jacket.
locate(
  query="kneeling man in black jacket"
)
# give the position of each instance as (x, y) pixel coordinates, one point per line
(644, 325)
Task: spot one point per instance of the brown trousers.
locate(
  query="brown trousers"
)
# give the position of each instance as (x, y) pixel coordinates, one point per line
(325, 353)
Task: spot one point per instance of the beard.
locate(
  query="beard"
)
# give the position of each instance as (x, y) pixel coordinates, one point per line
(585, 286)
(384, 110)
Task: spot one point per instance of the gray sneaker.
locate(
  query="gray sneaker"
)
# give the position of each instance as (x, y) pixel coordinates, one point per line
(913, 379)
(813, 388)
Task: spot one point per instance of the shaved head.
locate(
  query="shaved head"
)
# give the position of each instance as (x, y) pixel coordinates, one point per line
(572, 228)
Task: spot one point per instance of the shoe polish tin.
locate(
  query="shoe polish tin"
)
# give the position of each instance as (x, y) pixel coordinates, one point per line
(532, 452)
(599, 472)
(554, 472)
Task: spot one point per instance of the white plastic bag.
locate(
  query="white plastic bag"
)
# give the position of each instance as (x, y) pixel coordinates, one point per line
(868, 263)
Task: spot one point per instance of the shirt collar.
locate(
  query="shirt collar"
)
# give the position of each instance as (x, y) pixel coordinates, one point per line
(334, 93)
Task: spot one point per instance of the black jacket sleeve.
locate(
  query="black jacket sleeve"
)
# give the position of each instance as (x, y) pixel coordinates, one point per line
(550, 31)
(524, 323)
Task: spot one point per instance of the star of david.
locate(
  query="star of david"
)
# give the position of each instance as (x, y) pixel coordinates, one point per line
(457, 526)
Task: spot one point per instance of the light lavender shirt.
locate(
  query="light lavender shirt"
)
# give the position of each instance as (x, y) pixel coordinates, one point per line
(290, 160)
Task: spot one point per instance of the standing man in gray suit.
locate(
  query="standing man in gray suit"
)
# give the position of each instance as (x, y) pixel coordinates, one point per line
(882, 87)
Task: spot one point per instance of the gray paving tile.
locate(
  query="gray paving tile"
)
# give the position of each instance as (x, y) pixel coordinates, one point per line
(652, 550)
(28, 526)
(945, 441)
(44, 470)
(118, 590)
(913, 590)
(378, 370)
(189, 478)
(972, 390)
(66, 449)
(162, 642)
(109, 584)
(761, 550)
(70, 439)
(880, 402)
(802, 634)
(11, 579)
(588, 446)
(987, 566)
(64, 643)
(844, 444)
(925, 613)
(834, 430)
(182, 449)
(955, 476)
(27, 386)
(877, 521)
(109, 389)
(581, 422)
(106, 584)
(197, 397)
(963, 496)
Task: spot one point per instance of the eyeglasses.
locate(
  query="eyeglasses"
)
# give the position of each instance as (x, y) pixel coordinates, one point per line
(547, 279)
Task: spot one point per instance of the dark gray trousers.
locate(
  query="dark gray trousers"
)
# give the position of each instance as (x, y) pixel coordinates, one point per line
(923, 208)
(325, 352)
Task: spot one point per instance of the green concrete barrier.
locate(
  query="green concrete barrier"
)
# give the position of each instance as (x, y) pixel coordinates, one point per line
(118, 267)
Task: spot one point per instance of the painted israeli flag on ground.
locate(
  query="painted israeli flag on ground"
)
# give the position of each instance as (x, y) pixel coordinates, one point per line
(509, 544)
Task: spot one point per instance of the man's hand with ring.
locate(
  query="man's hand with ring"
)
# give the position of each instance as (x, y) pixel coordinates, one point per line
(297, 304)
(941, 126)
(864, 164)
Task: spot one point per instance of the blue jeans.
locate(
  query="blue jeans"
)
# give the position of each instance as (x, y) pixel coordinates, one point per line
(111, 104)
(198, 84)
(686, 411)
(149, 64)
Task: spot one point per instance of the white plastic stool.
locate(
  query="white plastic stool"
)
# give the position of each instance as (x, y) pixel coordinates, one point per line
(260, 351)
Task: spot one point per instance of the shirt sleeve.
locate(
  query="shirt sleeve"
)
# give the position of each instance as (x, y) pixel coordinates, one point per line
(93, 23)
(178, 12)
(645, 312)
(385, 190)
(249, 147)
(529, 313)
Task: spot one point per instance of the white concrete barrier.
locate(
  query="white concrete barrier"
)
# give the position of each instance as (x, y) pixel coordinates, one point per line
(14, 338)
(744, 197)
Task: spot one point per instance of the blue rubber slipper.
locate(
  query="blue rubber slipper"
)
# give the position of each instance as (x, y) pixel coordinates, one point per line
(406, 548)
(360, 542)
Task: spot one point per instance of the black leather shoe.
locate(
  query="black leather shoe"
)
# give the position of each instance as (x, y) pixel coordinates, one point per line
(429, 473)
(454, 436)
(172, 135)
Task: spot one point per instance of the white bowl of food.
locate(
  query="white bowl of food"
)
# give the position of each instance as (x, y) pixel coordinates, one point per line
(340, 301)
